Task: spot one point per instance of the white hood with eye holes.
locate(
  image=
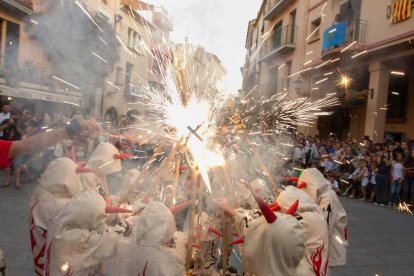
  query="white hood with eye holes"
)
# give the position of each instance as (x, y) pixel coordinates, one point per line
(102, 159)
(274, 249)
(79, 236)
(310, 215)
(318, 188)
(57, 185)
(152, 231)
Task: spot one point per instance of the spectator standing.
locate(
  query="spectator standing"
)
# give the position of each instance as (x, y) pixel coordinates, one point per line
(364, 180)
(408, 187)
(372, 181)
(382, 178)
(4, 115)
(398, 177)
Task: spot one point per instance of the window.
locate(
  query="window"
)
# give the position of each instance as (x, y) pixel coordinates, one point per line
(288, 73)
(11, 51)
(118, 75)
(133, 39)
(128, 72)
(293, 26)
(277, 35)
(315, 29)
(273, 84)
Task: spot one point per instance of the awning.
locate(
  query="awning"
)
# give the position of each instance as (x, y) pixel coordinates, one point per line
(35, 94)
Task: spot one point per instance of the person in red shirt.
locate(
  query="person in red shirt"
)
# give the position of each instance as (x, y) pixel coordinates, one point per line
(41, 141)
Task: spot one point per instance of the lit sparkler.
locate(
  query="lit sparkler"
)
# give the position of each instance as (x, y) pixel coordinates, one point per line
(344, 81)
(404, 207)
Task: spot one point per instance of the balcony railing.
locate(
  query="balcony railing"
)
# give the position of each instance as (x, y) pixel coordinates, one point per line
(274, 7)
(280, 41)
(25, 6)
(342, 34)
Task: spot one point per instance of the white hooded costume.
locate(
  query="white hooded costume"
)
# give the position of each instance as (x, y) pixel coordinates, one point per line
(104, 163)
(274, 249)
(147, 253)
(56, 187)
(310, 215)
(319, 190)
(79, 237)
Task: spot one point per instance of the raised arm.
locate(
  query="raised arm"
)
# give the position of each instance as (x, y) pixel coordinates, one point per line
(44, 140)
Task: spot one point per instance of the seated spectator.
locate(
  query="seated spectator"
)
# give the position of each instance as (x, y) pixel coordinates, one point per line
(334, 183)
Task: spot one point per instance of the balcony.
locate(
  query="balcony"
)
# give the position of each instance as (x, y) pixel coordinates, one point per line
(22, 6)
(275, 7)
(281, 41)
(341, 35)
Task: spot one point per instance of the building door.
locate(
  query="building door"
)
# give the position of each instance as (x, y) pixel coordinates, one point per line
(11, 51)
(273, 84)
(277, 35)
(292, 30)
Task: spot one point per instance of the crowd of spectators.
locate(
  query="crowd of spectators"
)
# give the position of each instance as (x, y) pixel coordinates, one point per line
(380, 173)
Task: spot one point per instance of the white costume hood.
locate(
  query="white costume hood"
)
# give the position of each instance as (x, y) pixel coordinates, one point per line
(56, 187)
(310, 215)
(318, 188)
(78, 236)
(102, 159)
(153, 230)
(274, 249)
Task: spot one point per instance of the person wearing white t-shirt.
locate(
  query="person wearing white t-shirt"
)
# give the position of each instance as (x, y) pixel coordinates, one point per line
(398, 177)
(4, 115)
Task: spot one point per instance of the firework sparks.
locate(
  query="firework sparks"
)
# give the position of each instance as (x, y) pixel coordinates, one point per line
(404, 207)
(344, 81)
(65, 267)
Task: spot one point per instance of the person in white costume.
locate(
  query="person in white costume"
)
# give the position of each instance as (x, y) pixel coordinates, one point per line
(103, 161)
(58, 184)
(78, 238)
(310, 215)
(147, 253)
(317, 187)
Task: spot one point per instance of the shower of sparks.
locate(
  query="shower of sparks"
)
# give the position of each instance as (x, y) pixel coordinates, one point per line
(65, 267)
(75, 104)
(360, 53)
(349, 46)
(65, 82)
(404, 207)
(98, 56)
(344, 81)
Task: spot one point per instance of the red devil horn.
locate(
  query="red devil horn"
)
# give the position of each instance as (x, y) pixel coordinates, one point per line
(275, 208)
(301, 185)
(234, 234)
(177, 208)
(81, 163)
(267, 213)
(108, 201)
(212, 230)
(293, 179)
(116, 210)
(272, 205)
(183, 168)
(84, 170)
(195, 244)
(293, 208)
(123, 156)
(238, 241)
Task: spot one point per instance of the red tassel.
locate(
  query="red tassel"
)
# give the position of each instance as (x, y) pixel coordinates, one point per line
(275, 208)
(267, 213)
(234, 234)
(294, 179)
(238, 241)
(178, 207)
(123, 156)
(293, 208)
(212, 230)
(116, 210)
(84, 170)
(301, 185)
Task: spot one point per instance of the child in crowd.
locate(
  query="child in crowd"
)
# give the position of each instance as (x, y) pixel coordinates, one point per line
(334, 183)
(372, 182)
(364, 179)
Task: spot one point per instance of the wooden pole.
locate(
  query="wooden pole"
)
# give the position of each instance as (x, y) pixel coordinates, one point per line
(176, 178)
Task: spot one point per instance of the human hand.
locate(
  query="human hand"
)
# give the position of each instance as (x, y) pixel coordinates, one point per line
(91, 127)
(223, 204)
